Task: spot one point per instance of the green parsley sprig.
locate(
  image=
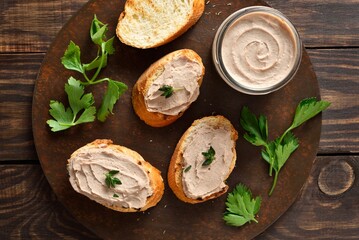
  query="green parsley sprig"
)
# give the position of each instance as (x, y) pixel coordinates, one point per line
(277, 152)
(168, 90)
(209, 156)
(72, 61)
(111, 180)
(241, 206)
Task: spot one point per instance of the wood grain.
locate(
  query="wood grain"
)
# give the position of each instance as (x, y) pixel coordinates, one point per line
(337, 72)
(30, 26)
(17, 78)
(326, 23)
(28, 208)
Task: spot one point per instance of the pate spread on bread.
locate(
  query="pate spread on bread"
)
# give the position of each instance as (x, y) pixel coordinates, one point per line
(138, 187)
(191, 177)
(152, 23)
(181, 70)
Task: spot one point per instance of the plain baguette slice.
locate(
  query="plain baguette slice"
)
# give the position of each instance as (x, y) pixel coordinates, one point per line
(156, 181)
(157, 119)
(177, 169)
(152, 23)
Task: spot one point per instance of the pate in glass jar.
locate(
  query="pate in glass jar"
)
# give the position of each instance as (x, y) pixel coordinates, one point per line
(257, 50)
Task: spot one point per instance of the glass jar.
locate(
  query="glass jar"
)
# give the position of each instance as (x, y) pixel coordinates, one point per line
(257, 50)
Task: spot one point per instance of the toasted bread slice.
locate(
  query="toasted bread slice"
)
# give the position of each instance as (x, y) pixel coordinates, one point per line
(140, 185)
(152, 23)
(193, 178)
(183, 70)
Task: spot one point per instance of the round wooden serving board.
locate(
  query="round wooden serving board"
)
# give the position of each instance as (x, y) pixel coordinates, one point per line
(171, 218)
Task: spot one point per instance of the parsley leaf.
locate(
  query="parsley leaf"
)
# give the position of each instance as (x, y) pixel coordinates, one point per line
(281, 152)
(257, 129)
(241, 206)
(114, 91)
(110, 180)
(98, 31)
(95, 64)
(306, 109)
(209, 156)
(167, 91)
(66, 118)
(71, 59)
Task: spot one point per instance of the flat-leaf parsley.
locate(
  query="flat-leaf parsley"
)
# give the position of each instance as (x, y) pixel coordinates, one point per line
(277, 152)
(241, 206)
(66, 118)
(72, 61)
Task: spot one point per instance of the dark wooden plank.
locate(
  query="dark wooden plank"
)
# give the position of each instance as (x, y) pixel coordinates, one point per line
(31, 25)
(327, 208)
(29, 210)
(325, 23)
(336, 70)
(17, 77)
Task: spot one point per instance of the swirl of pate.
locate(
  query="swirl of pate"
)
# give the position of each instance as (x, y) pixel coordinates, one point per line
(259, 50)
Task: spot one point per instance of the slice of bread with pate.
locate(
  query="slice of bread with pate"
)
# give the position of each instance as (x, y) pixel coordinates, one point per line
(203, 159)
(115, 176)
(152, 23)
(168, 87)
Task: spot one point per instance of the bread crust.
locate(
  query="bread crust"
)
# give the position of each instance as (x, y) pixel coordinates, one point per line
(175, 170)
(156, 181)
(156, 119)
(192, 17)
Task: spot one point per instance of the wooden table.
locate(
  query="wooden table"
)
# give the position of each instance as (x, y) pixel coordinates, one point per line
(327, 207)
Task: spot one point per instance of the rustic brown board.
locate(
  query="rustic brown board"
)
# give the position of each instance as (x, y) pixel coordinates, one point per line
(29, 208)
(156, 145)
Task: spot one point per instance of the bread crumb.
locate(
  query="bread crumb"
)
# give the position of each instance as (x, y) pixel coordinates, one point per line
(214, 5)
(218, 13)
(164, 231)
(207, 13)
(150, 140)
(165, 206)
(229, 4)
(208, 2)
